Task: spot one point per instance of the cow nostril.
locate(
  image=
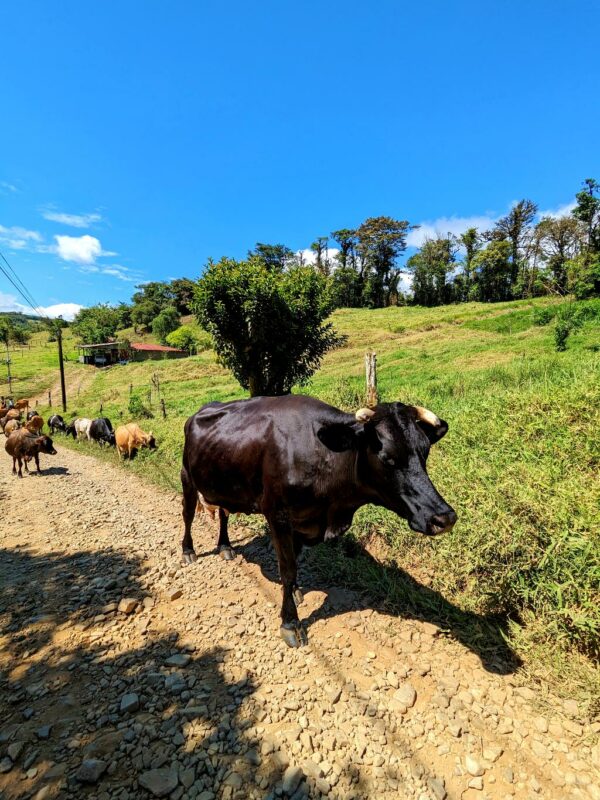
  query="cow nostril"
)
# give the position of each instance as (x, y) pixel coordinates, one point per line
(440, 523)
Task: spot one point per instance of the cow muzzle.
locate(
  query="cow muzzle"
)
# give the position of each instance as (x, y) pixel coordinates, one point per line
(441, 523)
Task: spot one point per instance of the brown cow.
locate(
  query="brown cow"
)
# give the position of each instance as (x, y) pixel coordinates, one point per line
(35, 424)
(10, 414)
(130, 437)
(22, 446)
(11, 426)
(21, 404)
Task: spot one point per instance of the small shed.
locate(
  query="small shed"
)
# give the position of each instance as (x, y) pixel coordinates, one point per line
(104, 354)
(140, 351)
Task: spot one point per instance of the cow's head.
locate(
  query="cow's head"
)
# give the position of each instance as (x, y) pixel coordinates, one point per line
(151, 441)
(45, 445)
(393, 441)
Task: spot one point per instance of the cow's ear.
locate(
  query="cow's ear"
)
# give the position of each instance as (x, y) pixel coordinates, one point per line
(339, 436)
(433, 427)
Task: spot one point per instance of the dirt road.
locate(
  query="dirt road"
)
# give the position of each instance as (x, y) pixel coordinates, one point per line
(125, 675)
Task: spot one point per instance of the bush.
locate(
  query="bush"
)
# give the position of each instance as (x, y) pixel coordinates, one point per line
(568, 319)
(165, 323)
(136, 407)
(184, 338)
(543, 316)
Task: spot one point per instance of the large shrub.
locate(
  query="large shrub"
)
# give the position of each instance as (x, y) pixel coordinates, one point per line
(268, 325)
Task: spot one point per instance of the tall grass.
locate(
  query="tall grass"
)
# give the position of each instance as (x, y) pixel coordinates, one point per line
(519, 464)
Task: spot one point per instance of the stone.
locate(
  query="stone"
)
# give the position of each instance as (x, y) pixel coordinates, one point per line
(6, 764)
(91, 770)
(476, 783)
(187, 777)
(44, 732)
(159, 782)
(178, 660)
(406, 695)
(291, 779)
(437, 788)
(127, 605)
(44, 793)
(473, 766)
(234, 779)
(15, 749)
(129, 703)
(175, 594)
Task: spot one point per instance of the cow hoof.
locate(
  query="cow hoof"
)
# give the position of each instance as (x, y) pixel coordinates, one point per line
(227, 553)
(293, 634)
(190, 557)
(298, 596)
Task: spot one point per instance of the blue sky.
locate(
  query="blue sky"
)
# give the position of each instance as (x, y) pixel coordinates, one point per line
(137, 139)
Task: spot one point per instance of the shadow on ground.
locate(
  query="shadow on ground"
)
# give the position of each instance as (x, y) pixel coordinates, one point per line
(388, 589)
(79, 680)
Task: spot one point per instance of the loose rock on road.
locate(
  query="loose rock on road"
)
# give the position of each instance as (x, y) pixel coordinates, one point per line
(125, 675)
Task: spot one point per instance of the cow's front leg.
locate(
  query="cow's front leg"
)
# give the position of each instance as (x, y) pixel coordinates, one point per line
(298, 596)
(37, 462)
(292, 632)
(224, 547)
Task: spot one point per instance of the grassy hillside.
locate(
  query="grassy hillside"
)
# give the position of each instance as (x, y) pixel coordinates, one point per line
(520, 465)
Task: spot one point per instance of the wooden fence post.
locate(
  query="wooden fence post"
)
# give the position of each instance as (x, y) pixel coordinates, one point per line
(371, 372)
(130, 389)
(50, 399)
(164, 410)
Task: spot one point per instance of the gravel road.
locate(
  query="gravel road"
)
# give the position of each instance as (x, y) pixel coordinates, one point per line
(125, 675)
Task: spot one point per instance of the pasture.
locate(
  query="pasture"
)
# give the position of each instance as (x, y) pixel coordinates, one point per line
(520, 465)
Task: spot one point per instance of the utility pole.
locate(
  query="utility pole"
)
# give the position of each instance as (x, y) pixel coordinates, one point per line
(8, 369)
(61, 367)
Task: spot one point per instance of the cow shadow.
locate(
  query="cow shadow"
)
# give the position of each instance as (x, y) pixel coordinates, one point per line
(55, 471)
(352, 579)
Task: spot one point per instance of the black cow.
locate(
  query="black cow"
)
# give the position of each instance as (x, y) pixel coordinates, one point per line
(32, 414)
(101, 431)
(56, 423)
(308, 467)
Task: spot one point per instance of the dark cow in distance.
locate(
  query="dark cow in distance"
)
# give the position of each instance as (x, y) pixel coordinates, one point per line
(56, 423)
(308, 467)
(101, 431)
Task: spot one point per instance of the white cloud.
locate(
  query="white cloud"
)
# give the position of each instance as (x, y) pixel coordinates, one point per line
(9, 302)
(310, 257)
(5, 187)
(117, 272)
(561, 211)
(65, 310)
(430, 229)
(74, 220)
(80, 249)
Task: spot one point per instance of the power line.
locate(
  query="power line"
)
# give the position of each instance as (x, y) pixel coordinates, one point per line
(24, 291)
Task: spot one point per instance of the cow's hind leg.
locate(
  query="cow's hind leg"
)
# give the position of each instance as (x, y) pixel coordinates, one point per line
(190, 498)
(224, 547)
(292, 632)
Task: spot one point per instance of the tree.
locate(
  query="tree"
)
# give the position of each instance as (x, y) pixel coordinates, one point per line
(184, 338)
(558, 240)
(268, 325)
(142, 315)
(587, 211)
(516, 228)
(347, 240)
(431, 267)
(380, 241)
(96, 324)
(150, 299)
(346, 288)
(165, 323)
(183, 293)
(124, 316)
(471, 242)
(320, 249)
(493, 272)
(274, 256)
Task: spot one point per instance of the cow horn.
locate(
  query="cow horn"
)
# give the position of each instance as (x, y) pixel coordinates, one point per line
(364, 414)
(425, 415)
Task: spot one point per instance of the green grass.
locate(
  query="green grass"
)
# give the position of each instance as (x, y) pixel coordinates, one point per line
(520, 465)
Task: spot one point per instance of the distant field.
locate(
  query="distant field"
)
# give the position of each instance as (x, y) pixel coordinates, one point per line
(520, 465)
